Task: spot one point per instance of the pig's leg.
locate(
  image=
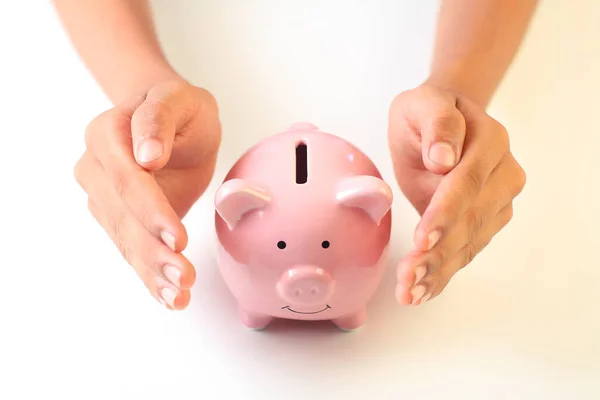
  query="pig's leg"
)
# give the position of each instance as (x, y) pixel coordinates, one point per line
(352, 321)
(253, 320)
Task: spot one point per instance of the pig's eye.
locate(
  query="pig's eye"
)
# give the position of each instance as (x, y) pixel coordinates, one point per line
(281, 244)
(325, 244)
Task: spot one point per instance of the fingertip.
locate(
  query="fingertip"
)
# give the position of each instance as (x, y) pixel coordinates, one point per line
(411, 269)
(182, 240)
(175, 237)
(188, 276)
(179, 272)
(172, 298)
(404, 275)
(440, 158)
(150, 154)
(403, 296)
(182, 300)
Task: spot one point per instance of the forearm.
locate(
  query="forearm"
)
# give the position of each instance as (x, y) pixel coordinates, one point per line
(117, 42)
(476, 41)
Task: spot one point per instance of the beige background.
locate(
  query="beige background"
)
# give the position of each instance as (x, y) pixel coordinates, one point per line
(521, 322)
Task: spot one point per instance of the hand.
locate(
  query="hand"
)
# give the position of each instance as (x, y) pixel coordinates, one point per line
(453, 163)
(147, 161)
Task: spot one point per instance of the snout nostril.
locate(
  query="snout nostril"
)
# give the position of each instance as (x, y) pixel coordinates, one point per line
(305, 286)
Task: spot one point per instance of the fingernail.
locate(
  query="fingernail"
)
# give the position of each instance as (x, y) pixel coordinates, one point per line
(417, 292)
(173, 274)
(168, 239)
(168, 295)
(420, 272)
(432, 239)
(442, 153)
(149, 150)
(425, 298)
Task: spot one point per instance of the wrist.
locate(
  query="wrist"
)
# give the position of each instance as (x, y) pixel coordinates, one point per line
(139, 80)
(462, 82)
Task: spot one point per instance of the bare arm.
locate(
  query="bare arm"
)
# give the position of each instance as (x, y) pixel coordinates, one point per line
(476, 42)
(117, 42)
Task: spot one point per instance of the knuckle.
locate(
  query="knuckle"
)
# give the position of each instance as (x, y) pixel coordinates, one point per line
(517, 178)
(93, 209)
(90, 132)
(449, 121)
(152, 263)
(206, 97)
(124, 250)
(469, 253)
(510, 212)
(152, 112)
(95, 127)
(501, 135)
(151, 118)
(78, 173)
(120, 182)
(178, 86)
(507, 215)
(148, 219)
(438, 258)
(147, 263)
(116, 127)
(475, 220)
(115, 219)
(106, 135)
(473, 181)
(521, 179)
(396, 102)
(432, 282)
(486, 242)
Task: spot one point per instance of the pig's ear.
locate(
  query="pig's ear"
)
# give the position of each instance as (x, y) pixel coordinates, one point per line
(236, 197)
(368, 193)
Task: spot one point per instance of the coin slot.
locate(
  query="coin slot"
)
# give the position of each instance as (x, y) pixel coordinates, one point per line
(301, 163)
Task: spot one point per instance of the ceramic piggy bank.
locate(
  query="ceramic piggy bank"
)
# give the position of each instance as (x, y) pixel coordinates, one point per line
(303, 222)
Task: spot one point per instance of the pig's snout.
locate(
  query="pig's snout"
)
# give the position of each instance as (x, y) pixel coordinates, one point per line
(305, 286)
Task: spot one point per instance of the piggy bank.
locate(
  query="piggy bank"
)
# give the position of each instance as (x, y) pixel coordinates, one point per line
(303, 223)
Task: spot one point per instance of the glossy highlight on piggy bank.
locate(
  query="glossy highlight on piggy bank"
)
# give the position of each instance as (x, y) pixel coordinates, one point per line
(303, 221)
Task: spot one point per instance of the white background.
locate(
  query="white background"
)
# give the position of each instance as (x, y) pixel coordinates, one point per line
(521, 322)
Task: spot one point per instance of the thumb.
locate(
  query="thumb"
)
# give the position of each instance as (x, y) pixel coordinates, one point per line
(155, 123)
(442, 135)
(434, 116)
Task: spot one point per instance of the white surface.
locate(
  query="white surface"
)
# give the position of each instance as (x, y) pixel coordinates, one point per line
(521, 322)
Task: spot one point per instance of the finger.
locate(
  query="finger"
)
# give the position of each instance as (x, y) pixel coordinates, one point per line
(108, 139)
(504, 184)
(432, 114)
(161, 288)
(407, 274)
(433, 285)
(139, 248)
(485, 145)
(156, 121)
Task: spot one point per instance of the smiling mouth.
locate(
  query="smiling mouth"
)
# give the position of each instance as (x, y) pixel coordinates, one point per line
(300, 312)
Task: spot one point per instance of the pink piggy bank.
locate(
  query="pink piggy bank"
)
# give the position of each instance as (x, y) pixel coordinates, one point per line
(303, 222)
